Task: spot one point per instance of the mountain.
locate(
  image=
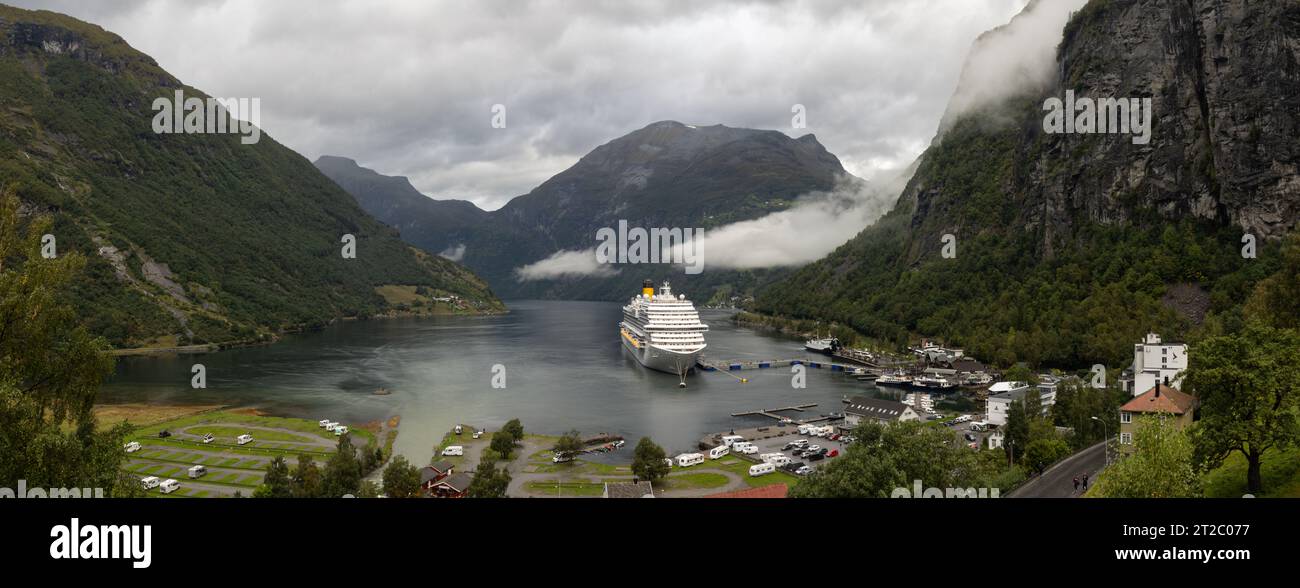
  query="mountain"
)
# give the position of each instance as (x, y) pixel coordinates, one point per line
(190, 238)
(1069, 246)
(667, 174)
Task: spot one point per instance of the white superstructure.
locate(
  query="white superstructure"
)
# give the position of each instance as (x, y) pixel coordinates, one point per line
(663, 332)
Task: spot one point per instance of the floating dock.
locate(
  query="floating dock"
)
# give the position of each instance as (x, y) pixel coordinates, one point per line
(760, 364)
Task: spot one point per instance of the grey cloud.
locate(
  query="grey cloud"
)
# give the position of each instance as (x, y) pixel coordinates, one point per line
(405, 87)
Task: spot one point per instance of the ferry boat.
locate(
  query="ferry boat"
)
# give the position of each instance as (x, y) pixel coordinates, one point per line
(894, 379)
(663, 332)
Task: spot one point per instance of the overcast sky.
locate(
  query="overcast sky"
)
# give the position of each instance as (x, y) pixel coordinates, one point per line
(406, 87)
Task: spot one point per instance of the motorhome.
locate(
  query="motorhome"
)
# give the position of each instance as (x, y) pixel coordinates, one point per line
(168, 486)
(768, 457)
(132, 447)
(149, 483)
(687, 460)
(745, 448)
(979, 425)
(244, 439)
(325, 422)
(730, 440)
(719, 452)
(803, 429)
(340, 430)
(962, 419)
(779, 460)
(452, 450)
(761, 469)
(198, 471)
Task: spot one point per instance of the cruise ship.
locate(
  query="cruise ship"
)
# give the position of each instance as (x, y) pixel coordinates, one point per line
(663, 331)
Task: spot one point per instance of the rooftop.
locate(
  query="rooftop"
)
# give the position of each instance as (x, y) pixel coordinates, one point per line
(641, 489)
(773, 491)
(1161, 399)
(875, 408)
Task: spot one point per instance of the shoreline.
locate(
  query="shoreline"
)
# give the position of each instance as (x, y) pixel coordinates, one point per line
(271, 339)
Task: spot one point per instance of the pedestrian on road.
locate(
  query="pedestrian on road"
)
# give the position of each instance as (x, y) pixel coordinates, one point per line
(1076, 483)
(1085, 482)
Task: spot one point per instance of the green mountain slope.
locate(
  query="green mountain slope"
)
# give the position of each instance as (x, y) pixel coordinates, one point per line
(1069, 247)
(192, 238)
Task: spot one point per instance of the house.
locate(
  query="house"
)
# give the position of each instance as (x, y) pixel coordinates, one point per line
(429, 475)
(771, 491)
(453, 486)
(638, 489)
(1158, 402)
(999, 403)
(1154, 361)
(866, 408)
(995, 439)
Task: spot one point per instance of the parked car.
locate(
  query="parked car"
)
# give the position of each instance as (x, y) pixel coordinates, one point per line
(814, 448)
(804, 470)
(478, 434)
(163, 434)
(208, 438)
(833, 453)
(836, 437)
(815, 457)
(970, 436)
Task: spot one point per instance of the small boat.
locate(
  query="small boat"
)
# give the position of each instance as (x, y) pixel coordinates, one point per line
(825, 346)
(933, 382)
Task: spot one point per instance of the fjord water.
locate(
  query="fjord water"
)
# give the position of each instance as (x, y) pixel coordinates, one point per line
(564, 368)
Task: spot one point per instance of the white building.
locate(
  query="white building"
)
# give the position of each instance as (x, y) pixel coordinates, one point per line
(1153, 362)
(999, 404)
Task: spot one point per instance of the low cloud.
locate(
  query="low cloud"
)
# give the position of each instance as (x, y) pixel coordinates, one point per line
(454, 253)
(565, 264)
(816, 225)
(1016, 57)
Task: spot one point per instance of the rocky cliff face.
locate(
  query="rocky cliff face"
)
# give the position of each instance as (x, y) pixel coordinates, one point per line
(1068, 245)
(1222, 77)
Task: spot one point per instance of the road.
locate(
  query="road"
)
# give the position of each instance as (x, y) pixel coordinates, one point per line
(1058, 482)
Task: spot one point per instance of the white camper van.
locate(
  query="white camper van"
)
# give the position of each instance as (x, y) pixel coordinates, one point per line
(168, 486)
(687, 460)
(340, 430)
(132, 447)
(719, 452)
(761, 469)
(803, 429)
(730, 440)
(149, 483)
(244, 439)
(779, 460)
(453, 450)
(325, 422)
(198, 471)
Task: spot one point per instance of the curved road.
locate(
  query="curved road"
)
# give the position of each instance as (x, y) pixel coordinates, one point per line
(1058, 481)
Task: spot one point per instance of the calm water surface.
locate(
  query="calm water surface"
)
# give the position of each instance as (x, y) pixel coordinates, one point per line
(565, 369)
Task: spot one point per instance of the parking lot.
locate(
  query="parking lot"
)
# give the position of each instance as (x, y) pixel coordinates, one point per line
(777, 445)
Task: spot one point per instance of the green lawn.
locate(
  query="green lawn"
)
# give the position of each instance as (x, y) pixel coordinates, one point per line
(584, 488)
(694, 481)
(1280, 471)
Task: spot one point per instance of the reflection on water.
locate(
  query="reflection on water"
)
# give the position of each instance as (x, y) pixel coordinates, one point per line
(564, 368)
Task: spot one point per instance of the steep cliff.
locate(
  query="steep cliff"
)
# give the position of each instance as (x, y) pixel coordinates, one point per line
(1067, 244)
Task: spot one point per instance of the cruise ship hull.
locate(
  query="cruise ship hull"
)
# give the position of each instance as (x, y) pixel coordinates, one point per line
(663, 360)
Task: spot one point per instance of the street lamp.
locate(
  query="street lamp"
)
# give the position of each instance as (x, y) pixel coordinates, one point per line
(1105, 429)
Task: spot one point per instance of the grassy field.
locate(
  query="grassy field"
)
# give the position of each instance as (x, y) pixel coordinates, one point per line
(171, 457)
(1280, 471)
